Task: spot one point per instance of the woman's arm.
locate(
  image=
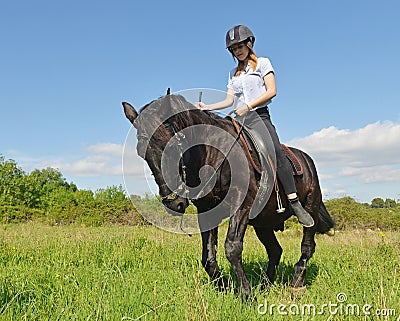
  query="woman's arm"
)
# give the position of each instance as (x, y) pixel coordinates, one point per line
(227, 102)
(270, 84)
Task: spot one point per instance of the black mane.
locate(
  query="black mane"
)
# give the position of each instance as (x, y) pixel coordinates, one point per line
(184, 113)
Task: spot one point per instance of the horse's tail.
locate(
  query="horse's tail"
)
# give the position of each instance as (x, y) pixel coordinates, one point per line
(326, 222)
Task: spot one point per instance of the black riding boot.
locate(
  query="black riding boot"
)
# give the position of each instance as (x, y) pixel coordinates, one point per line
(303, 216)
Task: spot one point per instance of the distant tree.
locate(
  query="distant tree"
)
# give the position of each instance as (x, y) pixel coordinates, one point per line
(377, 203)
(11, 182)
(51, 178)
(110, 194)
(51, 188)
(390, 203)
(84, 197)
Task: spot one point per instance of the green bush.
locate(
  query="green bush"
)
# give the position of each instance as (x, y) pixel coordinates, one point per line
(350, 214)
(18, 214)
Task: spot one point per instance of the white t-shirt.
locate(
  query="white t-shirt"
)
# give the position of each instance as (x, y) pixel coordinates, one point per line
(249, 84)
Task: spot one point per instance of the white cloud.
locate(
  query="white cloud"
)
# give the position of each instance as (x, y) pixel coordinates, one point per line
(369, 155)
(90, 166)
(373, 174)
(372, 145)
(103, 159)
(107, 149)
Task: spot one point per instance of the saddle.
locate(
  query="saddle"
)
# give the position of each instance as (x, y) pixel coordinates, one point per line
(260, 152)
(251, 146)
(293, 160)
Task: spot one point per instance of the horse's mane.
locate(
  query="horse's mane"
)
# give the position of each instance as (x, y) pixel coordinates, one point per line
(148, 105)
(183, 113)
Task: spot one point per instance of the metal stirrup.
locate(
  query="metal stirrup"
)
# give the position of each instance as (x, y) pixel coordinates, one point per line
(280, 209)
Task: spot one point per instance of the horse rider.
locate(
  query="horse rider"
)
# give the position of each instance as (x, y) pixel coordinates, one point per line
(251, 86)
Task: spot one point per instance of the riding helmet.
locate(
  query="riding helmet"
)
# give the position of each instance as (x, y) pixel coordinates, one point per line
(238, 34)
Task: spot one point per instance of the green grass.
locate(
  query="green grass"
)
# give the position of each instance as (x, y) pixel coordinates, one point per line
(143, 273)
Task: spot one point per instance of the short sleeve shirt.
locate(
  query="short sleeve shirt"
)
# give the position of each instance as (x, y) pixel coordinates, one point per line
(249, 84)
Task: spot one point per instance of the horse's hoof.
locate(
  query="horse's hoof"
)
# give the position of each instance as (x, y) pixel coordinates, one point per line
(222, 284)
(247, 298)
(244, 294)
(331, 232)
(266, 285)
(296, 292)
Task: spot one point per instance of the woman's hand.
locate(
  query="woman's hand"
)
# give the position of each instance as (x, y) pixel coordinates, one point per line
(200, 105)
(242, 110)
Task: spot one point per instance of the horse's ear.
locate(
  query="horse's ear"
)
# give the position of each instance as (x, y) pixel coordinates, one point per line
(130, 112)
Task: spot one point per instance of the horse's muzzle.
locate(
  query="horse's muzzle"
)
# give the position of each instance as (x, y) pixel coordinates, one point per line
(176, 206)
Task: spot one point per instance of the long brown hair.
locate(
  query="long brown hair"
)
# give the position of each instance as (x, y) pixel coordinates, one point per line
(252, 61)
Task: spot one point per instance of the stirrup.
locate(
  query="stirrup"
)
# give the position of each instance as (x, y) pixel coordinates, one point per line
(280, 209)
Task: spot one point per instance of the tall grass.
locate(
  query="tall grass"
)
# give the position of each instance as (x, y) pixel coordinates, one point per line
(143, 273)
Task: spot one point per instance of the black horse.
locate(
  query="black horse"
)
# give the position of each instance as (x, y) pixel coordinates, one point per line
(161, 120)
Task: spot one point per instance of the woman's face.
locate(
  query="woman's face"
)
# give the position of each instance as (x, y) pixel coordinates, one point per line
(240, 51)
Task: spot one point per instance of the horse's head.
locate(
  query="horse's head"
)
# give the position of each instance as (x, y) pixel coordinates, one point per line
(154, 125)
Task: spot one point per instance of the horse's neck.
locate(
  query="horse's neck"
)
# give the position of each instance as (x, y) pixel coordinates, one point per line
(202, 136)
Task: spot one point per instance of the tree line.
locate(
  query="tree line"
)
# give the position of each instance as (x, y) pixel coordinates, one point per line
(45, 195)
(378, 202)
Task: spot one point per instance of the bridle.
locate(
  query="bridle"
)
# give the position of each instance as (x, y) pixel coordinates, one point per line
(180, 137)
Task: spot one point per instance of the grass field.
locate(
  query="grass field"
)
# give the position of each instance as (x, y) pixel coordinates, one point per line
(143, 273)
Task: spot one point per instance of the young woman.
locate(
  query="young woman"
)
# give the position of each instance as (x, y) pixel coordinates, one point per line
(251, 86)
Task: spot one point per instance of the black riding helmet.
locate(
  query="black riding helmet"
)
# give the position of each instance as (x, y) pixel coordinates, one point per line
(237, 34)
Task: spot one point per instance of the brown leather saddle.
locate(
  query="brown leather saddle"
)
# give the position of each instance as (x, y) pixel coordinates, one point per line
(253, 155)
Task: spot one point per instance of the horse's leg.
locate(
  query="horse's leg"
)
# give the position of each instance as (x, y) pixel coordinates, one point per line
(209, 257)
(310, 193)
(307, 251)
(274, 250)
(234, 249)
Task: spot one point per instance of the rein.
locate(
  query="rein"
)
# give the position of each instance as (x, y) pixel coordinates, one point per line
(239, 133)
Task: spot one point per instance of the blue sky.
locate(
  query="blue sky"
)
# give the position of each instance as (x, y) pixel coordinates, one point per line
(66, 66)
